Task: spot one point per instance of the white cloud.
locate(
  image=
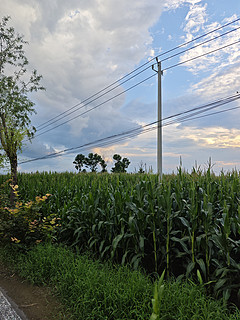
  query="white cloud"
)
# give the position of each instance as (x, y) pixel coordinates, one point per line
(214, 137)
(231, 164)
(219, 83)
(80, 48)
(174, 4)
(197, 20)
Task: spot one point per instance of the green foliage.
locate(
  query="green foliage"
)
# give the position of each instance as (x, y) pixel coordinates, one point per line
(15, 86)
(93, 290)
(92, 161)
(24, 224)
(189, 224)
(184, 300)
(2, 160)
(157, 298)
(79, 162)
(89, 289)
(103, 165)
(142, 168)
(120, 164)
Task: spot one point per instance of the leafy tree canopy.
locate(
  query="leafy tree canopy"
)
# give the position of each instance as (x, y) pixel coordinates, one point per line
(16, 82)
(92, 161)
(120, 164)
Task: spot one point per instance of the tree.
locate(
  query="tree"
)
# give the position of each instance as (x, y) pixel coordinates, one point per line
(2, 160)
(120, 164)
(103, 165)
(79, 162)
(92, 161)
(15, 106)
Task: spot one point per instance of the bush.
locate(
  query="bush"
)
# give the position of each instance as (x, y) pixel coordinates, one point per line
(24, 224)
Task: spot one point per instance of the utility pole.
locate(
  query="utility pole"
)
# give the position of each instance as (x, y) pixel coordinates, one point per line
(159, 131)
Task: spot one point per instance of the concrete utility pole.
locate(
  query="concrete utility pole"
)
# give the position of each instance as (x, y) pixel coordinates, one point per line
(159, 131)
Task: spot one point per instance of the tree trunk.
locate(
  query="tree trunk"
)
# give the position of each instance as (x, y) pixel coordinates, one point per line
(13, 163)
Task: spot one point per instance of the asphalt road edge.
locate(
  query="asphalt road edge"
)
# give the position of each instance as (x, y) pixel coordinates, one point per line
(8, 306)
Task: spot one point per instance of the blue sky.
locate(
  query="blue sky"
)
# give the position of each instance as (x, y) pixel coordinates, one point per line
(82, 46)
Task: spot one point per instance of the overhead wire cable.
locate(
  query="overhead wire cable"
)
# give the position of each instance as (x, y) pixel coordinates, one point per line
(210, 114)
(130, 88)
(117, 140)
(86, 104)
(202, 55)
(222, 100)
(184, 120)
(97, 106)
(180, 119)
(155, 127)
(133, 131)
(199, 44)
(149, 61)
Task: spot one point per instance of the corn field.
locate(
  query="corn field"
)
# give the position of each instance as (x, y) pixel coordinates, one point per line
(187, 225)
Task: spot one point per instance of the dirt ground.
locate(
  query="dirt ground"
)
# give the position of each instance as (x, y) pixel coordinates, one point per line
(36, 302)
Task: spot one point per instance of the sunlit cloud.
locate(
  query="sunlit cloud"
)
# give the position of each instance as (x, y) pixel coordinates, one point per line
(215, 137)
(231, 164)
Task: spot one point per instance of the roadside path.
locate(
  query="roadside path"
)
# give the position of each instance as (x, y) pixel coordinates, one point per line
(36, 302)
(8, 309)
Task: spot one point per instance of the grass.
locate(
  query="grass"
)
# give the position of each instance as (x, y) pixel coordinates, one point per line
(94, 290)
(89, 289)
(182, 300)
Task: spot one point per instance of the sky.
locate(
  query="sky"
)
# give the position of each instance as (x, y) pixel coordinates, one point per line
(82, 46)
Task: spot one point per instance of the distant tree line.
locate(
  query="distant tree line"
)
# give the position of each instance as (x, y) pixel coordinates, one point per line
(92, 161)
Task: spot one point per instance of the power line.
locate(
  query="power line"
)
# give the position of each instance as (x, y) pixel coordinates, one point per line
(202, 55)
(116, 140)
(67, 113)
(130, 88)
(199, 44)
(135, 131)
(210, 114)
(86, 104)
(43, 125)
(97, 106)
(154, 128)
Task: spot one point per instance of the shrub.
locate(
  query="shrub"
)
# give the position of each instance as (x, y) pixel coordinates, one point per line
(24, 224)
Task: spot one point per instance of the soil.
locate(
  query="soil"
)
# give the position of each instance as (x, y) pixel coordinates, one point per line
(37, 303)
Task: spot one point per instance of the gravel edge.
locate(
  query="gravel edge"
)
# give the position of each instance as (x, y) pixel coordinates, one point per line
(8, 308)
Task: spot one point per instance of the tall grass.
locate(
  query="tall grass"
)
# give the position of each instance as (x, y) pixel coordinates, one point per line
(93, 290)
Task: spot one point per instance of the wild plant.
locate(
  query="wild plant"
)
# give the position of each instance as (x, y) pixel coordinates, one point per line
(24, 224)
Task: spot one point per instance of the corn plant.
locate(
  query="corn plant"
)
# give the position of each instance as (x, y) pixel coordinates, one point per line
(189, 224)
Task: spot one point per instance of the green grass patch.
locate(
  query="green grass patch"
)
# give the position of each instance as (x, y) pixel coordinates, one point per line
(89, 289)
(94, 290)
(181, 300)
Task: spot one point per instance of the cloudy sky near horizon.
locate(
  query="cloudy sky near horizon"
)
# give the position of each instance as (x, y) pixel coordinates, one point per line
(82, 46)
